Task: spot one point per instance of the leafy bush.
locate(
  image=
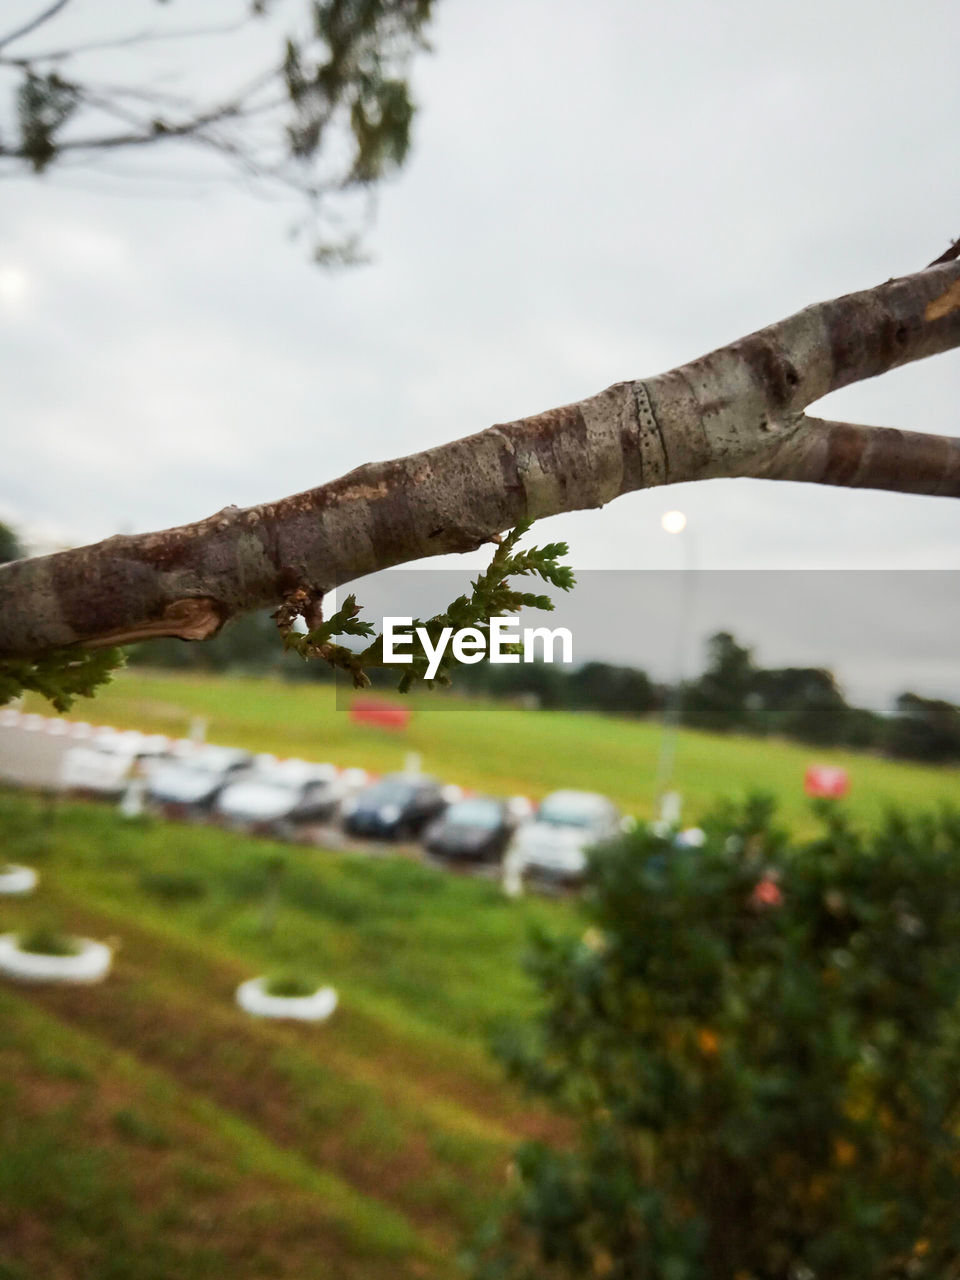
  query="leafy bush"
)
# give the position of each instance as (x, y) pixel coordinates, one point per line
(760, 1042)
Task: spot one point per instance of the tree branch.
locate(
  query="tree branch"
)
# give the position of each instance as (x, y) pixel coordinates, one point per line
(34, 23)
(948, 255)
(737, 411)
(859, 457)
(137, 38)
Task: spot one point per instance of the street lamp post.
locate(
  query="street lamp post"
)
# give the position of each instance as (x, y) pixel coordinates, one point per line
(668, 802)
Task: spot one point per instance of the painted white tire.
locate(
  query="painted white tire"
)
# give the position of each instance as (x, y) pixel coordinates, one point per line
(90, 964)
(18, 879)
(254, 998)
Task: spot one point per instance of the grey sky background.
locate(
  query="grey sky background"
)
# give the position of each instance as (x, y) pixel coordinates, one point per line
(882, 633)
(597, 192)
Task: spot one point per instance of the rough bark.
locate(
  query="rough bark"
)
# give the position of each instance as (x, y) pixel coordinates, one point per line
(737, 411)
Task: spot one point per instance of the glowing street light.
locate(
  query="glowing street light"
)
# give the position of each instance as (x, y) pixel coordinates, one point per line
(14, 285)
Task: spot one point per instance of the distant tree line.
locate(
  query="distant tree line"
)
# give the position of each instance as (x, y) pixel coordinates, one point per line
(805, 703)
(10, 548)
(731, 695)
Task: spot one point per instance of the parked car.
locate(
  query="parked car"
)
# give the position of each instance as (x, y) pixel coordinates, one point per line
(279, 796)
(475, 830)
(188, 786)
(397, 807)
(553, 846)
(105, 765)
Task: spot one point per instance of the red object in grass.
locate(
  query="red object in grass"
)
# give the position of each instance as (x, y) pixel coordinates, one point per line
(385, 715)
(766, 893)
(826, 780)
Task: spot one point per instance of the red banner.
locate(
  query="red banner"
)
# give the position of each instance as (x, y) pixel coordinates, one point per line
(385, 715)
(826, 780)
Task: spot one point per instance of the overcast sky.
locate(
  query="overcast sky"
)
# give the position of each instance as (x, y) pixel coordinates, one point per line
(597, 192)
(659, 621)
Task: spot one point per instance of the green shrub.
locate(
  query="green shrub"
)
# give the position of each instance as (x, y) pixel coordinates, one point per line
(760, 1043)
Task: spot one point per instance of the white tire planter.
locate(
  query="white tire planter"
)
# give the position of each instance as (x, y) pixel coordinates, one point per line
(253, 997)
(91, 963)
(14, 879)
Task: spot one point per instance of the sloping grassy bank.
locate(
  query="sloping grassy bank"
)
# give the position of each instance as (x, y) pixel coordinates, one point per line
(145, 1117)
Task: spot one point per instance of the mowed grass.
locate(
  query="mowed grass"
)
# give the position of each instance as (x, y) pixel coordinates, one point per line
(151, 1128)
(506, 750)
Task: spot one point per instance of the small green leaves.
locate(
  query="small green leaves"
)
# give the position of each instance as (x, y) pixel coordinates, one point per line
(318, 641)
(60, 676)
(491, 596)
(44, 105)
(345, 622)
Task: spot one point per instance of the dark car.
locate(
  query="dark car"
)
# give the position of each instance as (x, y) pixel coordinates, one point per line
(188, 787)
(397, 807)
(475, 830)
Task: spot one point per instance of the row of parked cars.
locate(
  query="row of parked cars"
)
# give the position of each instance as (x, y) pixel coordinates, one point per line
(284, 798)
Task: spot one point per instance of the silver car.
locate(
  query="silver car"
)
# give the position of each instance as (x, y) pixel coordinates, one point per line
(188, 786)
(553, 845)
(278, 796)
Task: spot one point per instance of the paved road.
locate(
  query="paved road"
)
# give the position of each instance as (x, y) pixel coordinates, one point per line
(32, 748)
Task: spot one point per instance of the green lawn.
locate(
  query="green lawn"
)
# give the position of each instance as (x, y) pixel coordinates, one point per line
(505, 749)
(150, 1128)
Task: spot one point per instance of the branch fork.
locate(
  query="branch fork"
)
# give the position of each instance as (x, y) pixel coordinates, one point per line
(737, 411)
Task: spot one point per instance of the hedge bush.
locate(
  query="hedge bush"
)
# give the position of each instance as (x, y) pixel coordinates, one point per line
(760, 1042)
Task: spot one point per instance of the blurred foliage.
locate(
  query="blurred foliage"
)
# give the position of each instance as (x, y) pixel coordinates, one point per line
(329, 110)
(802, 703)
(491, 596)
(44, 105)
(247, 643)
(10, 546)
(733, 694)
(760, 1042)
(718, 701)
(924, 729)
(61, 676)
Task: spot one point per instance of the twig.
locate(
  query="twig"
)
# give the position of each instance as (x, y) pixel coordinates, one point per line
(32, 25)
(948, 255)
(125, 42)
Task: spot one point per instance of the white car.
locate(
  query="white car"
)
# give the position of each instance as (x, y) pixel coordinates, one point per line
(105, 765)
(553, 845)
(279, 795)
(189, 784)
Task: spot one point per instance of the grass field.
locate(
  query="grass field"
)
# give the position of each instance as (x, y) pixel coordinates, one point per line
(507, 750)
(149, 1128)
